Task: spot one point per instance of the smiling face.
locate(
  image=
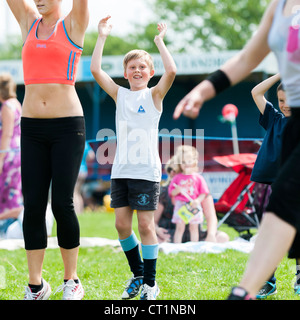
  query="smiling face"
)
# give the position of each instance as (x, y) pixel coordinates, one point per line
(138, 69)
(284, 108)
(187, 158)
(189, 163)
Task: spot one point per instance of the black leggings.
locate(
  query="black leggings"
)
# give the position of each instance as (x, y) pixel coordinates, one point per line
(51, 153)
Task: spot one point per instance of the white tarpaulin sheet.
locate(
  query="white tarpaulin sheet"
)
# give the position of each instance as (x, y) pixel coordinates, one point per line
(197, 247)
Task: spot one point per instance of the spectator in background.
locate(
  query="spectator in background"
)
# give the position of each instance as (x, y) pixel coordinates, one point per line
(11, 199)
(88, 155)
(187, 188)
(163, 215)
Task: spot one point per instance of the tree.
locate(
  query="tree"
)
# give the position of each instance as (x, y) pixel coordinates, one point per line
(113, 46)
(193, 25)
(12, 49)
(209, 24)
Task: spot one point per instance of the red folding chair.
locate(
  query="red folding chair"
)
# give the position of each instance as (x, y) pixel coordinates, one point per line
(237, 202)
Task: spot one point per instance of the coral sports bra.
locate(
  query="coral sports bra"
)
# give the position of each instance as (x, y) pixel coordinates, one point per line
(53, 60)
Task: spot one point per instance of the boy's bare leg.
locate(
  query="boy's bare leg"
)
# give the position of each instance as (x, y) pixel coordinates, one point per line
(147, 227)
(123, 222)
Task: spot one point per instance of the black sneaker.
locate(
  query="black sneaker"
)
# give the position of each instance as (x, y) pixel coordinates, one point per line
(238, 293)
(133, 288)
(268, 289)
(297, 283)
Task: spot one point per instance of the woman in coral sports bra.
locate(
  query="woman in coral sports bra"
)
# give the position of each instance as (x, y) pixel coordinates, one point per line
(52, 134)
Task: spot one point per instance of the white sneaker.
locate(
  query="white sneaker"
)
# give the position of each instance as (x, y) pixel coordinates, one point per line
(149, 293)
(72, 290)
(43, 294)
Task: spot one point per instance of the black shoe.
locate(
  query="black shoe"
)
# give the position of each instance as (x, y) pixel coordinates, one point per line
(268, 289)
(133, 288)
(238, 293)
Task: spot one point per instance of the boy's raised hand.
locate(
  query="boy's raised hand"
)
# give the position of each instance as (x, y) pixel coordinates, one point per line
(162, 28)
(104, 27)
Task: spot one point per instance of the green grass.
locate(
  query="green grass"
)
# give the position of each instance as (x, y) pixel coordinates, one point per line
(104, 270)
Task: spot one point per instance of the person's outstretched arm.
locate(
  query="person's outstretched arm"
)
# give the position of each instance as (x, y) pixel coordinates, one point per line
(24, 14)
(258, 92)
(102, 78)
(77, 21)
(166, 81)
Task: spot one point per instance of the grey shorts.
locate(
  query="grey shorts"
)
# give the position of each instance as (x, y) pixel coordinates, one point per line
(135, 193)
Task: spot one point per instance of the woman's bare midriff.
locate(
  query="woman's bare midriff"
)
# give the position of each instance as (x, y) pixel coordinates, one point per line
(51, 101)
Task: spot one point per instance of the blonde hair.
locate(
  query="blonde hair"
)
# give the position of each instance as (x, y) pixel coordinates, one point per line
(182, 152)
(7, 86)
(138, 54)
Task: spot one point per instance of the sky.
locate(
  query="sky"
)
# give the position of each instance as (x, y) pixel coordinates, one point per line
(124, 14)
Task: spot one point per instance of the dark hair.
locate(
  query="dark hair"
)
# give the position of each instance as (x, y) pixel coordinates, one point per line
(7, 86)
(280, 87)
(169, 169)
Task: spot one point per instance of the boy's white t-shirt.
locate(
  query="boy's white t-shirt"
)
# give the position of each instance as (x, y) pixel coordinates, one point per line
(137, 122)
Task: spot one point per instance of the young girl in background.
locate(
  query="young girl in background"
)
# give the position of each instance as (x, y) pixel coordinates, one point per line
(187, 185)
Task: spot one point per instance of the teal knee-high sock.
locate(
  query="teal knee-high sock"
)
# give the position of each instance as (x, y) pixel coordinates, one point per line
(130, 247)
(150, 254)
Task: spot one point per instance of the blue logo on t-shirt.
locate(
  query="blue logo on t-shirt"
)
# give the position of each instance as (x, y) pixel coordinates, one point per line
(141, 109)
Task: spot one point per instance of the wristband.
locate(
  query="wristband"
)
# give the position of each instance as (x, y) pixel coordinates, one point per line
(219, 80)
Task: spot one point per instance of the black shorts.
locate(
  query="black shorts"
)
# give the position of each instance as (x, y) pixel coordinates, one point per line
(135, 193)
(285, 197)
